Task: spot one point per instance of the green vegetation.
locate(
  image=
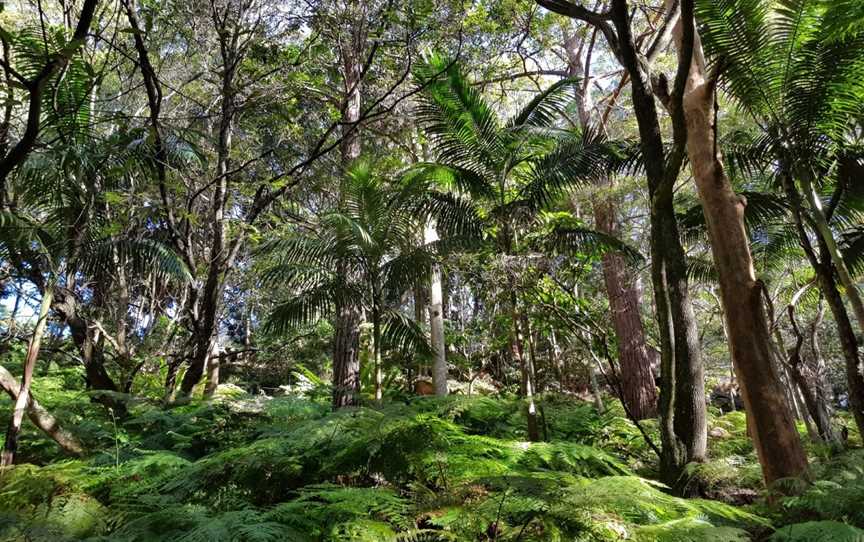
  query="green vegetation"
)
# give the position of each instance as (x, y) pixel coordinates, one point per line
(435, 270)
(287, 468)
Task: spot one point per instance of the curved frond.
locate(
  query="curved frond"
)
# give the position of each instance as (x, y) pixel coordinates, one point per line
(399, 332)
(546, 107)
(303, 309)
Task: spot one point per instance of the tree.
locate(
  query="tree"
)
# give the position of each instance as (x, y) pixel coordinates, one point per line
(35, 81)
(54, 252)
(682, 395)
(364, 254)
(508, 170)
(801, 82)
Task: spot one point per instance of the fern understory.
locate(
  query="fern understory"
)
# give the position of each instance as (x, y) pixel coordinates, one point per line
(286, 468)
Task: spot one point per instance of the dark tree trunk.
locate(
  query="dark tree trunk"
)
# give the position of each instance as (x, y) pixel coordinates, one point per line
(95, 375)
(346, 357)
(824, 269)
(846, 333)
(221, 253)
(818, 410)
(682, 405)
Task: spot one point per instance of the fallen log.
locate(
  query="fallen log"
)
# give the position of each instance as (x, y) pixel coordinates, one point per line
(40, 417)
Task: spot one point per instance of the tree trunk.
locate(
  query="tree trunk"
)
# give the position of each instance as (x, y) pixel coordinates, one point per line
(848, 340)
(376, 347)
(518, 350)
(824, 270)
(832, 249)
(817, 411)
(40, 417)
(214, 362)
(436, 326)
(637, 379)
(96, 376)
(346, 344)
(220, 254)
(436, 321)
(23, 400)
(774, 435)
(681, 363)
(346, 357)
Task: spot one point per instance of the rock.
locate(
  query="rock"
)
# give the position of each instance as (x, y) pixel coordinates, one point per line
(718, 432)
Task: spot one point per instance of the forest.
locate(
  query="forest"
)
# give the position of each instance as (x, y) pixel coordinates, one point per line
(432, 271)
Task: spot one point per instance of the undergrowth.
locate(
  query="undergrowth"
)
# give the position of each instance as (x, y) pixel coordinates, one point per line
(286, 468)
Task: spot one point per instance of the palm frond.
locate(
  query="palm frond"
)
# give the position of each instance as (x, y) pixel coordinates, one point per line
(464, 127)
(738, 34)
(302, 309)
(581, 159)
(571, 238)
(401, 333)
(702, 270)
(547, 106)
(140, 256)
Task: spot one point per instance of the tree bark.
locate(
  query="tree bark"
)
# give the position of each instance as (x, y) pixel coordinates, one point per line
(346, 344)
(214, 362)
(832, 249)
(40, 417)
(774, 435)
(824, 270)
(10, 447)
(682, 406)
(436, 327)
(346, 357)
(517, 348)
(817, 410)
(436, 321)
(848, 340)
(637, 379)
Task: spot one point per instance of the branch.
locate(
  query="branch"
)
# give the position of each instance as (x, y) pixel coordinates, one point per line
(36, 87)
(598, 20)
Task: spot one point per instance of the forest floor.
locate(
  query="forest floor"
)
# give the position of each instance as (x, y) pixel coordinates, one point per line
(286, 468)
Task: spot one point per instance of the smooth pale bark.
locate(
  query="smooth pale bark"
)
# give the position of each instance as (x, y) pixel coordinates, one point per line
(376, 355)
(436, 332)
(40, 417)
(214, 362)
(436, 322)
(517, 351)
(773, 428)
(10, 447)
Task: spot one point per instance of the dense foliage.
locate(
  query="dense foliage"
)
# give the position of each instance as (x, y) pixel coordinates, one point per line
(498, 270)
